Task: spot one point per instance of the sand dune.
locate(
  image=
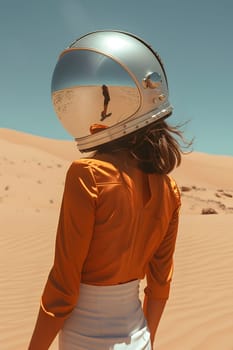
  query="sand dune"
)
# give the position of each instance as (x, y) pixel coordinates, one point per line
(199, 313)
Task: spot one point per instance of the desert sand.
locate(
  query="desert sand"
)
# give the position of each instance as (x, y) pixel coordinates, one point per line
(199, 313)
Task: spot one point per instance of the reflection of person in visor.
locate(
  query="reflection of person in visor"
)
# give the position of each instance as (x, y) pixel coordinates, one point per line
(119, 215)
(106, 95)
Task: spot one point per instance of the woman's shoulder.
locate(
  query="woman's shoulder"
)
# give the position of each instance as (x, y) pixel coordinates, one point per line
(101, 170)
(78, 165)
(174, 188)
(81, 169)
(93, 163)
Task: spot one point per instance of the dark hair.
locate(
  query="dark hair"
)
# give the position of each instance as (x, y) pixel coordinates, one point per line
(156, 147)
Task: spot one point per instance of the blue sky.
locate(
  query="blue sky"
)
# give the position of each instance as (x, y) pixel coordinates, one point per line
(194, 39)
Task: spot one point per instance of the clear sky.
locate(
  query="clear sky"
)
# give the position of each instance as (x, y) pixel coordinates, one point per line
(193, 37)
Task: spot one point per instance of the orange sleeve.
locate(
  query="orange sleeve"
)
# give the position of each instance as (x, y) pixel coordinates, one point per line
(160, 269)
(74, 233)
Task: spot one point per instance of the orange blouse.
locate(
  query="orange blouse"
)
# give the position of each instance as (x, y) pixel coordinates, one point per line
(116, 224)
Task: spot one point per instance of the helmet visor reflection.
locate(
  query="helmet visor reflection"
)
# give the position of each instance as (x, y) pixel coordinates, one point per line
(82, 68)
(88, 88)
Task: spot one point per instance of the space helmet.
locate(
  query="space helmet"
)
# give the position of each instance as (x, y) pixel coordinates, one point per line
(108, 84)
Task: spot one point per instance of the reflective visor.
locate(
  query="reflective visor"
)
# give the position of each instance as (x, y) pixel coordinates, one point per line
(89, 88)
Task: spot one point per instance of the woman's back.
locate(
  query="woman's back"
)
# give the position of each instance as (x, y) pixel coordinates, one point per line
(131, 217)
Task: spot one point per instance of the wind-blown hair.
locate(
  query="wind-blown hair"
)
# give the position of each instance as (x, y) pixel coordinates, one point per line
(158, 148)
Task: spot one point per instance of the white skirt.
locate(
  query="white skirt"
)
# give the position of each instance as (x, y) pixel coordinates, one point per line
(106, 318)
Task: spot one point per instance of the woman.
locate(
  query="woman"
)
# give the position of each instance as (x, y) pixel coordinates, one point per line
(119, 214)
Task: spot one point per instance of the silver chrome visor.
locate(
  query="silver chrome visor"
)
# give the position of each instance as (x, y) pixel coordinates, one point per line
(90, 88)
